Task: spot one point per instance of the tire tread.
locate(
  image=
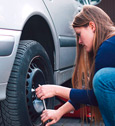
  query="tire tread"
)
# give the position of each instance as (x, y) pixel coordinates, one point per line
(11, 117)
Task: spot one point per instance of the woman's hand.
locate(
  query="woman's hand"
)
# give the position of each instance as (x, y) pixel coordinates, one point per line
(48, 91)
(45, 91)
(53, 115)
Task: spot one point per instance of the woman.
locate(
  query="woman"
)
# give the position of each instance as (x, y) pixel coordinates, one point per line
(94, 74)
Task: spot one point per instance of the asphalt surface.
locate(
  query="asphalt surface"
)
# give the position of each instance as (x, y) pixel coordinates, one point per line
(74, 122)
(70, 122)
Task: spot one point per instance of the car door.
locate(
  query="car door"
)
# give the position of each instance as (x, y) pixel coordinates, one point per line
(62, 13)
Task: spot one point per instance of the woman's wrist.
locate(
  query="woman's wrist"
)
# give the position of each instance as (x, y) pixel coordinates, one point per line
(62, 91)
(54, 88)
(60, 112)
(67, 107)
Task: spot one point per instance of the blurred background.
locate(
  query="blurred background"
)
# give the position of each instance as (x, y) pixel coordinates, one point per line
(109, 7)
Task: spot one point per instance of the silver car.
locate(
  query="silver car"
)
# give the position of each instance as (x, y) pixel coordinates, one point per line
(37, 46)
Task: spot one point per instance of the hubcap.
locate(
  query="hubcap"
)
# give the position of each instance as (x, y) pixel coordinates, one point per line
(35, 76)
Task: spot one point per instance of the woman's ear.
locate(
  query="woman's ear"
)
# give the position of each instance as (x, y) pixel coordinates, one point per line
(92, 25)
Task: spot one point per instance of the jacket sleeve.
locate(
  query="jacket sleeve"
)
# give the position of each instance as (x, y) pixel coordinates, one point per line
(82, 96)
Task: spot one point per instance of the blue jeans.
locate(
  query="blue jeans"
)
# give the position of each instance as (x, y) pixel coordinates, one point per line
(104, 89)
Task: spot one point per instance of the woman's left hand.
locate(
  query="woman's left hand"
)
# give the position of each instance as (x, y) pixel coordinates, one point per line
(53, 115)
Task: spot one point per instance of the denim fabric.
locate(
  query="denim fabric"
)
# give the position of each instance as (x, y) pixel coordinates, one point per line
(104, 89)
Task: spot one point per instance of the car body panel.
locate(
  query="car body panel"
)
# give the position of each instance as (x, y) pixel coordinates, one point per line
(58, 14)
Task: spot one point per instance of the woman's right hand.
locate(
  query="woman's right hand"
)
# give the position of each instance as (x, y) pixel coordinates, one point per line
(45, 91)
(48, 91)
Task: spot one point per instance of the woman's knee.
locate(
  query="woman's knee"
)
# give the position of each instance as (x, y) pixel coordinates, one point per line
(98, 78)
(104, 78)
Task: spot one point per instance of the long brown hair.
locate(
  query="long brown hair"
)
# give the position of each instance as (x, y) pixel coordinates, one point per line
(85, 62)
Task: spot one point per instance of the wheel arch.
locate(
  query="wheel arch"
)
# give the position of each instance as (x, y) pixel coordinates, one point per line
(37, 28)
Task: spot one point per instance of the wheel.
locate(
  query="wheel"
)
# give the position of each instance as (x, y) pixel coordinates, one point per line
(31, 67)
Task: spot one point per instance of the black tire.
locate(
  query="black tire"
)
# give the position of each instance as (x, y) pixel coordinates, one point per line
(1, 121)
(31, 67)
